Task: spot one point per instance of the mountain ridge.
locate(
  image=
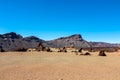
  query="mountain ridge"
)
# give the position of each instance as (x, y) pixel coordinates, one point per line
(12, 41)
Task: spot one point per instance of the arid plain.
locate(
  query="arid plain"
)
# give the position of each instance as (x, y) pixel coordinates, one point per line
(59, 66)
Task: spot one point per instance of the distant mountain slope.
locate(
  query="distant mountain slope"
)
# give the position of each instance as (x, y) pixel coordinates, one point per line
(75, 40)
(12, 41)
(103, 44)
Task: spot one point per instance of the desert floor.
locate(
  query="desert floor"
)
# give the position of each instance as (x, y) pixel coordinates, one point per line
(58, 66)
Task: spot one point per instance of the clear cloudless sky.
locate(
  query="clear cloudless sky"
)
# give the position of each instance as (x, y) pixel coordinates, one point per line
(95, 20)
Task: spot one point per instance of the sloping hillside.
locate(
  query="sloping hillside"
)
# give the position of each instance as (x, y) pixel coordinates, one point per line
(75, 40)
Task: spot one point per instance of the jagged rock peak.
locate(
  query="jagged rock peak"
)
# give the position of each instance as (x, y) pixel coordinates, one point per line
(11, 35)
(75, 36)
(31, 37)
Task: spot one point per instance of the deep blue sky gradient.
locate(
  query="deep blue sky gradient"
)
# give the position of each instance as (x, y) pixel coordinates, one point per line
(95, 20)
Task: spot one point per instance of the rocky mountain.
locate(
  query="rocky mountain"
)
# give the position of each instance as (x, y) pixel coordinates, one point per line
(12, 41)
(75, 40)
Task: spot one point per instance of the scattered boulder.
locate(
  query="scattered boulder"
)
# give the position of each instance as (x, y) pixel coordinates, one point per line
(1, 49)
(87, 53)
(48, 49)
(102, 53)
(62, 49)
(80, 50)
(42, 48)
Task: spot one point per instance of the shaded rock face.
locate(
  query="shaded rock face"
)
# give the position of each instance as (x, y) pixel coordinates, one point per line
(0, 48)
(75, 40)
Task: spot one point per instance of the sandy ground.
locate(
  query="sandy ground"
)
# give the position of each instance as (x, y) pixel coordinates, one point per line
(58, 66)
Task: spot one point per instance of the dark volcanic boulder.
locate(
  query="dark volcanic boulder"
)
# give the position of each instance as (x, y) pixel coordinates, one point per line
(1, 49)
(87, 53)
(62, 49)
(102, 53)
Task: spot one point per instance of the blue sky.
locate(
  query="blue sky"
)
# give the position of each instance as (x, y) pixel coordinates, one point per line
(95, 20)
